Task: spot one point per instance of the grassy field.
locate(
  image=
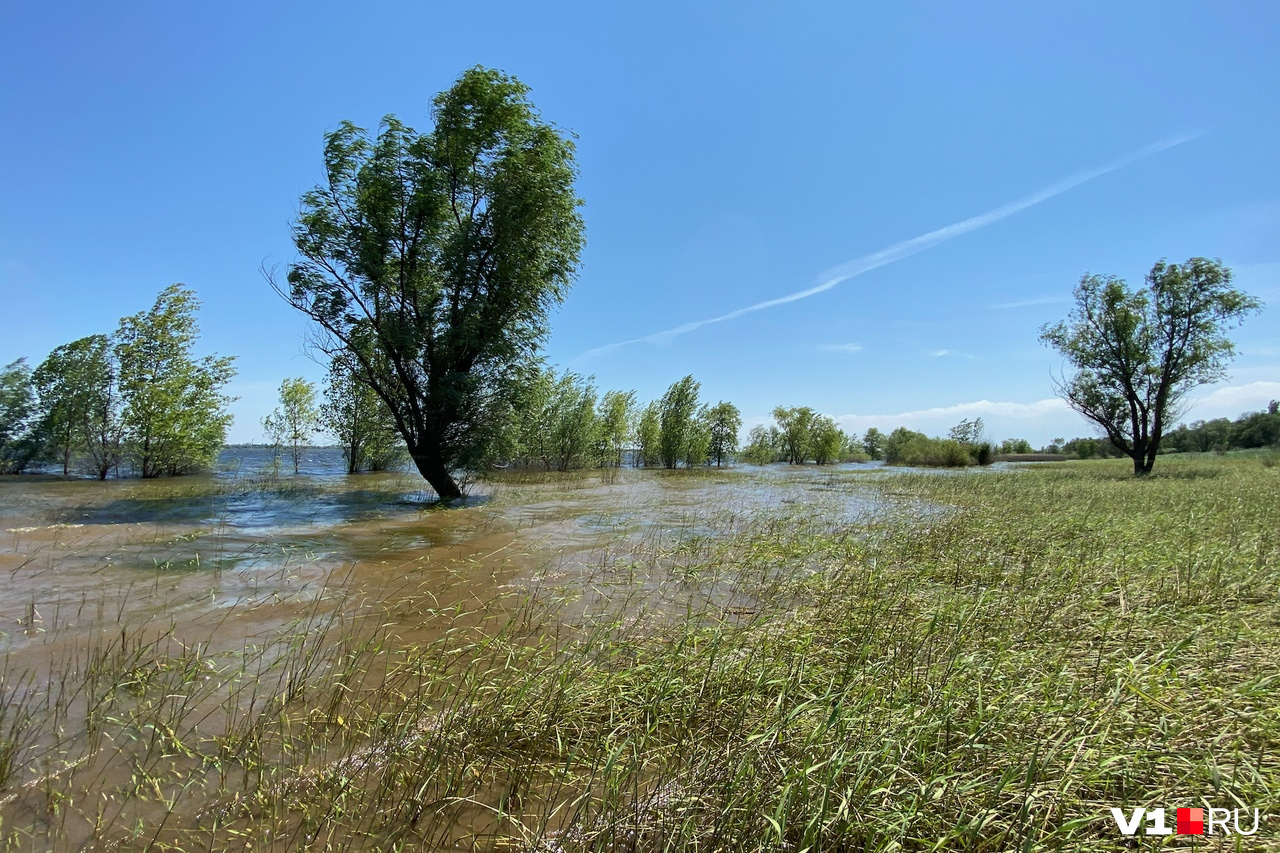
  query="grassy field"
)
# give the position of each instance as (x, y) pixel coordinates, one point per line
(989, 662)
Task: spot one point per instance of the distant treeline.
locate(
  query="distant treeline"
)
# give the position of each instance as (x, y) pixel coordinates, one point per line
(563, 422)
(138, 402)
(135, 401)
(1250, 430)
(963, 446)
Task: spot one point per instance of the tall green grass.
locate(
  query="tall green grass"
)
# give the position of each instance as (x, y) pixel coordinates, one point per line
(991, 663)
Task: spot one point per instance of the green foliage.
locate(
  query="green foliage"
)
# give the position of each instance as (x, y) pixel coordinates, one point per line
(854, 451)
(724, 421)
(649, 436)
(570, 422)
(175, 416)
(1089, 448)
(794, 428)
(907, 447)
(1250, 430)
(764, 445)
(18, 442)
(684, 434)
(874, 443)
(967, 431)
(292, 423)
(1012, 446)
(354, 414)
(826, 440)
(797, 435)
(526, 440)
(138, 397)
(80, 405)
(1137, 353)
(445, 251)
(558, 427)
(563, 423)
(617, 410)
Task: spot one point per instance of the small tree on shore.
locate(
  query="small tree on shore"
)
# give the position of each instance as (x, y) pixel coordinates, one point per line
(967, 431)
(763, 445)
(794, 426)
(614, 416)
(826, 440)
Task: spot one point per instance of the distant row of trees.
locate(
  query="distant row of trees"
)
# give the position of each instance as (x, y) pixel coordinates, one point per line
(137, 400)
(563, 422)
(1250, 430)
(908, 447)
(797, 435)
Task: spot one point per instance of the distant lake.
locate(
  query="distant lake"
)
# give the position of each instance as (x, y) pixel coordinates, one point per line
(239, 461)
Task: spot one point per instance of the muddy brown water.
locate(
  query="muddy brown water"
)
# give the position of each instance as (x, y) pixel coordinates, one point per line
(229, 574)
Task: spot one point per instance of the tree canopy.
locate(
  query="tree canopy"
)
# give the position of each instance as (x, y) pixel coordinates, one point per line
(1138, 352)
(174, 411)
(292, 423)
(79, 404)
(444, 253)
(18, 445)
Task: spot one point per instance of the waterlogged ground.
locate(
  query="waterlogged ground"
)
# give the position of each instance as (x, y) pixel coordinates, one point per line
(780, 659)
(253, 550)
(175, 614)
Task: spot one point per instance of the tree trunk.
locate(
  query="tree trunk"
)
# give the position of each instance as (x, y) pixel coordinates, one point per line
(434, 471)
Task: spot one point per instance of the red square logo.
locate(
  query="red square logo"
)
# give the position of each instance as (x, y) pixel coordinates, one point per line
(1191, 821)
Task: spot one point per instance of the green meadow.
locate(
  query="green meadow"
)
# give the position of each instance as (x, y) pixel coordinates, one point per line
(814, 660)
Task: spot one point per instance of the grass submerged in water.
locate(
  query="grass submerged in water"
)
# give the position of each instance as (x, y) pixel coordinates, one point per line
(991, 677)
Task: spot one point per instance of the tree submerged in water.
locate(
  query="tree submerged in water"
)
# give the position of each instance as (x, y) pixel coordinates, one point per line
(174, 414)
(432, 261)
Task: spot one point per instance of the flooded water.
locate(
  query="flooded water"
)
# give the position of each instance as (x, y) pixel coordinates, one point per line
(219, 584)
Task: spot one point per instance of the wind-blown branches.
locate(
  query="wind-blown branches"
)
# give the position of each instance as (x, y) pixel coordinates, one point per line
(434, 259)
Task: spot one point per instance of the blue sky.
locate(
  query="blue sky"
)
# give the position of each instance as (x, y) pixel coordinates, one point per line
(732, 154)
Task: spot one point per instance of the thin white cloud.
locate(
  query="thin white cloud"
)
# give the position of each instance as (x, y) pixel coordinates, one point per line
(940, 353)
(903, 249)
(1047, 406)
(1038, 420)
(849, 348)
(1027, 303)
(1232, 400)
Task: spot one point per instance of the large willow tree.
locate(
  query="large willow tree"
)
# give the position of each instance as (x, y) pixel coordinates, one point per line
(433, 260)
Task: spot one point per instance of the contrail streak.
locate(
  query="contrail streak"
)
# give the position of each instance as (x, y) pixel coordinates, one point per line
(904, 249)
